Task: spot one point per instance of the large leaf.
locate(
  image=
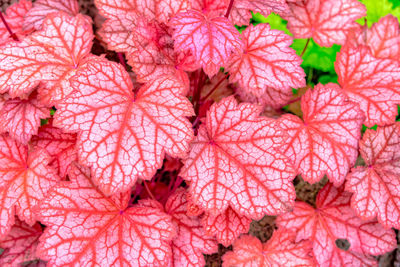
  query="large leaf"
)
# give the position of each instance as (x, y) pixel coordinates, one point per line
(326, 21)
(372, 82)
(280, 250)
(191, 240)
(123, 136)
(25, 180)
(211, 40)
(326, 142)
(376, 185)
(50, 56)
(232, 162)
(86, 228)
(267, 67)
(333, 219)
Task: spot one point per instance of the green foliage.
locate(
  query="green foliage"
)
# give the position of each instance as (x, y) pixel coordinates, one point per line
(380, 8)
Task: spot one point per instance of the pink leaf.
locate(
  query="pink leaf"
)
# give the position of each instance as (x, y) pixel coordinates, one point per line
(210, 40)
(25, 180)
(226, 226)
(191, 241)
(376, 185)
(326, 142)
(84, 227)
(41, 8)
(372, 82)
(334, 219)
(326, 21)
(280, 250)
(268, 67)
(153, 53)
(21, 117)
(50, 56)
(59, 145)
(241, 15)
(14, 17)
(20, 244)
(232, 162)
(123, 136)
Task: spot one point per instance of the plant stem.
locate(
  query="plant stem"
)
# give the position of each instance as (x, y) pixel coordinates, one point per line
(305, 47)
(212, 90)
(197, 93)
(228, 11)
(13, 35)
(148, 190)
(122, 60)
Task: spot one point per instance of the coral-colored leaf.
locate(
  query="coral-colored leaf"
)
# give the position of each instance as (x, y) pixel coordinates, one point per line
(383, 38)
(268, 67)
(191, 240)
(240, 14)
(14, 17)
(372, 82)
(153, 53)
(334, 219)
(25, 180)
(41, 8)
(21, 117)
(232, 162)
(123, 136)
(59, 145)
(327, 141)
(210, 40)
(280, 250)
(20, 244)
(226, 226)
(48, 56)
(326, 21)
(376, 186)
(86, 228)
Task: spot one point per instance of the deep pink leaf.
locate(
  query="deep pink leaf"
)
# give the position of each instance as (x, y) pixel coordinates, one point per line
(211, 40)
(86, 228)
(14, 17)
(191, 240)
(280, 250)
(326, 21)
(334, 219)
(326, 141)
(232, 162)
(376, 186)
(123, 136)
(25, 180)
(226, 226)
(268, 67)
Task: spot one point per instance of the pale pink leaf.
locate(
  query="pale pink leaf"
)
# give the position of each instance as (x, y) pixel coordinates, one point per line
(280, 250)
(372, 82)
(61, 147)
(123, 136)
(49, 56)
(376, 185)
(86, 228)
(191, 240)
(25, 180)
(20, 244)
(326, 141)
(226, 226)
(210, 40)
(333, 219)
(328, 22)
(21, 117)
(232, 162)
(268, 67)
(41, 8)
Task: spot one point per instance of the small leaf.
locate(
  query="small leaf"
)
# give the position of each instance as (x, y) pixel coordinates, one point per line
(14, 17)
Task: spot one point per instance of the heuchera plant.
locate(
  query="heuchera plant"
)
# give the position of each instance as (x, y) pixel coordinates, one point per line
(185, 129)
